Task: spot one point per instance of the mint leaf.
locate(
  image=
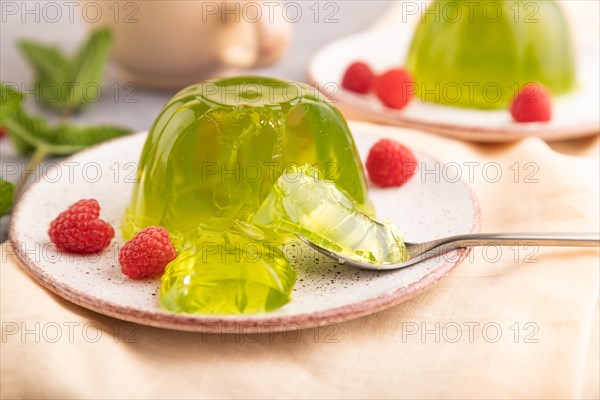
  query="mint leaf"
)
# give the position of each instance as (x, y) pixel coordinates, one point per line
(26, 132)
(88, 64)
(10, 100)
(61, 82)
(11, 108)
(7, 191)
(10, 95)
(30, 133)
(47, 61)
(85, 136)
(52, 72)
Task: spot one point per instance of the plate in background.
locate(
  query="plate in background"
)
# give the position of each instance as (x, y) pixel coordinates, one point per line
(574, 115)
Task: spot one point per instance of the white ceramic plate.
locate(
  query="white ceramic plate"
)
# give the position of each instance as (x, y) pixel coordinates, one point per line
(324, 293)
(574, 115)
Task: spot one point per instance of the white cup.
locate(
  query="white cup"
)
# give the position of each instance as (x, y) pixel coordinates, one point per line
(175, 43)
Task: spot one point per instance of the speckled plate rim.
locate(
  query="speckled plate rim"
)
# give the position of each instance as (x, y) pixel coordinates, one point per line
(259, 323)
(354, 105)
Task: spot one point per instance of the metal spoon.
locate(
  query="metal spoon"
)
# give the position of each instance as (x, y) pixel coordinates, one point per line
(418, 252)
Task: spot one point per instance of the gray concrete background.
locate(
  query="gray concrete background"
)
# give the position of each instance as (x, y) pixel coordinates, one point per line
(309, 35)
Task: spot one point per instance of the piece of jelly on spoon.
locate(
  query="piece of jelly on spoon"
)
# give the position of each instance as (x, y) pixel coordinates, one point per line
(303, 203)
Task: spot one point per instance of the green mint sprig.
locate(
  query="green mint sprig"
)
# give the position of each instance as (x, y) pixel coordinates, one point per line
(62, 81)
(32, 134)
(7, 191)
(61, 84)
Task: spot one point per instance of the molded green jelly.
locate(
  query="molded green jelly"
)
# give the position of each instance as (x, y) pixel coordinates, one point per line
(241, 269)
(210, 159)
(478, 54)
(303, 203)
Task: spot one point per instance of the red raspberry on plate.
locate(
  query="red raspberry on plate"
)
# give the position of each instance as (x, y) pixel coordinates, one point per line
(390, 164)
(358, 78)
(147, 253)
(395, 88)
(532, 104)
(3, 132)
(79, 229)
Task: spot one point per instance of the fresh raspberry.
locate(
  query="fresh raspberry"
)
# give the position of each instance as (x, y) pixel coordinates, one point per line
(3, 132)
(532, 104)
(395, 88)
(358, 78)
(390, 164)
(79, 230)
(147, 253)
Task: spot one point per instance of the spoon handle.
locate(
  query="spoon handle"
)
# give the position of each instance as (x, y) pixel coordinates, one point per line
(505, 239)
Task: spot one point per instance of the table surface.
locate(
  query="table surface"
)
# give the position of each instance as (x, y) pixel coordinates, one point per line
(308, 37)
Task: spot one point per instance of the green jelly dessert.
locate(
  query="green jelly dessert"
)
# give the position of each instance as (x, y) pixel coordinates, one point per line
(479, 54)
(210, 159)
(241, 269)
(303, 203)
